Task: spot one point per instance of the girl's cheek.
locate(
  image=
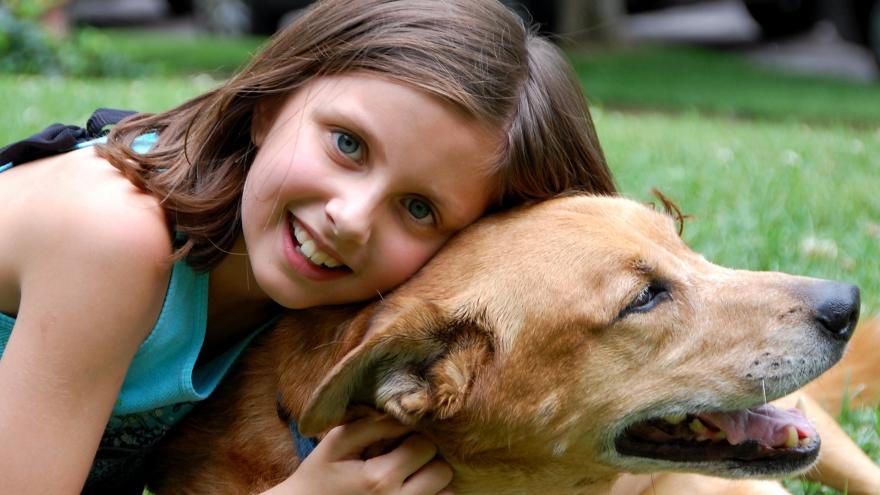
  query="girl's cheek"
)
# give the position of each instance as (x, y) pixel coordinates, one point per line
(285, 173)
(259, 186)
(400, 261)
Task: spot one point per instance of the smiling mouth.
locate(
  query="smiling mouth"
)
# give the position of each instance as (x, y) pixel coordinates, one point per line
(309, 249)
(761, 439)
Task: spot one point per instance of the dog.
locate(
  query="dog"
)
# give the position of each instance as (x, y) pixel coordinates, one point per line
(548, 349)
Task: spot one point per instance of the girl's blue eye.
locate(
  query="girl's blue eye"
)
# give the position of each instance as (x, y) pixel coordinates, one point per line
(419, 209)
(348, 145)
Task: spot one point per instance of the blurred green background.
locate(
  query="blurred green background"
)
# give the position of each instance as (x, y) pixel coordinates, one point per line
(778, 170)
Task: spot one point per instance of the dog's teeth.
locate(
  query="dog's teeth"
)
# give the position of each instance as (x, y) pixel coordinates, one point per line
(698, 427)
(801, 406)
(792, 440)
(331, 263)
(804, 441)
(675, 419)
(719, 435)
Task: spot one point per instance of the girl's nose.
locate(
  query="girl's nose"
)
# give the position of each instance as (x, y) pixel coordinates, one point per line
(351, 217)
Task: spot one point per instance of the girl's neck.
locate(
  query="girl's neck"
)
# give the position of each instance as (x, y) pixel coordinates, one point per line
(236, 304)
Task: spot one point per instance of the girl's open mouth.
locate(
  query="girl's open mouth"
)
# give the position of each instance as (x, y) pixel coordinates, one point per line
(307, 257)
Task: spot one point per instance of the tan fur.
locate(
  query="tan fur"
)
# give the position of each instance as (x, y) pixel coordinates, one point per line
(508, 352)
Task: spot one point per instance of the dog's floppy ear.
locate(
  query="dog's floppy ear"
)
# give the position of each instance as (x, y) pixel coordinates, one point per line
(415, 360)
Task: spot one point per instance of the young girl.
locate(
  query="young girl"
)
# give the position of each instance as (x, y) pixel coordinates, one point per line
(327, 171)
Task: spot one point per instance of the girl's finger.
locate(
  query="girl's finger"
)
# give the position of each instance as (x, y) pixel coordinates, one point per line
(410, 456)
(431, 478)
(351, 439)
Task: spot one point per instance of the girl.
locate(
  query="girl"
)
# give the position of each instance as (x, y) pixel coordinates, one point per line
(327, 171)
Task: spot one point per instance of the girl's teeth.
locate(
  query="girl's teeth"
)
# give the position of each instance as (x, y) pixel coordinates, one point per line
(318, 258)
(300, 234)
(322, 258)
(308, 248)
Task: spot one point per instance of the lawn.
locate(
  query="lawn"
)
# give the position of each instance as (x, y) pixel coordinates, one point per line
(32, 102)
(720, 83)
(779, 172)
(184, 53)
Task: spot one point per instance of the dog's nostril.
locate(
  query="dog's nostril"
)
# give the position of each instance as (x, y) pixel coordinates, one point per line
(837, 308)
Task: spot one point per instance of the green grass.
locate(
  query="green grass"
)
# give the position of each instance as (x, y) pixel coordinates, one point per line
(182, 54)
(654, 77)
(779, 172)
(722, 83)
(33, 102)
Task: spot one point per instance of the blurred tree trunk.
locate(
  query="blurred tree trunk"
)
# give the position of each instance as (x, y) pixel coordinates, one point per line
(590, 21)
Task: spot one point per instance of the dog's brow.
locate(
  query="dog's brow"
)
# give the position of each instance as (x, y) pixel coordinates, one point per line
(642, 266)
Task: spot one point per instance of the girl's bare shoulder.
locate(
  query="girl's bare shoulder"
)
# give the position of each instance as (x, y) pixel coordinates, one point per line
(84, 267)
(77, 208)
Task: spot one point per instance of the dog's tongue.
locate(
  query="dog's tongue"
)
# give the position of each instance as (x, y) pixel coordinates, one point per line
(765, 424)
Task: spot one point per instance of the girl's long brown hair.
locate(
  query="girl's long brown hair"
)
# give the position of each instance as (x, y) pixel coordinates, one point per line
(476, 54)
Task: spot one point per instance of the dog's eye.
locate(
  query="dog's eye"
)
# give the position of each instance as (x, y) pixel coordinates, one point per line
(651, 295)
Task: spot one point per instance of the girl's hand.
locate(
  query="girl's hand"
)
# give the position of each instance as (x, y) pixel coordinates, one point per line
(336, 466)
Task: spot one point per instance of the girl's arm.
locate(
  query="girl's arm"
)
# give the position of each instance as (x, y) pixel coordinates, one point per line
(87, 256)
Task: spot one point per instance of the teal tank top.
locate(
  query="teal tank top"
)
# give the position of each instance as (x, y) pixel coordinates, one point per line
(162, 383)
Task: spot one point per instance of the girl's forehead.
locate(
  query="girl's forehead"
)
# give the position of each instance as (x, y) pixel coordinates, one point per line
(377, 86)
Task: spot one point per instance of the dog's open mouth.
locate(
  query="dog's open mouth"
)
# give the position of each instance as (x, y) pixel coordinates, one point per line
(762, 434)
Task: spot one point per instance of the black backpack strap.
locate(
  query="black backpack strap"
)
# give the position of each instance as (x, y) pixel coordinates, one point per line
(50, 141)
(59, 138)
(104, 117)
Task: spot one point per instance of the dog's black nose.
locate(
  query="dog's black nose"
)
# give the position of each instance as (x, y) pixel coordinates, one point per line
(837, 307)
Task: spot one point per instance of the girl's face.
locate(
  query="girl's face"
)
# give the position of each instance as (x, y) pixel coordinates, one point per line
(356, 183)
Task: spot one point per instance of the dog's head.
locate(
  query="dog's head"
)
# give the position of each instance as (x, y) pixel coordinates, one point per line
(571, 340)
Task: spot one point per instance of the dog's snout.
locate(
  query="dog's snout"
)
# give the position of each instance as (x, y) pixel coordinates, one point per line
(836, 307)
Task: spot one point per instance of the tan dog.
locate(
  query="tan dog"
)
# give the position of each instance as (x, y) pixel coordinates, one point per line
(544, 350)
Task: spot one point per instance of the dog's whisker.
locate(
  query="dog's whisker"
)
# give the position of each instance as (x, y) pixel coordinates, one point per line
(764, 389)
(653, 488)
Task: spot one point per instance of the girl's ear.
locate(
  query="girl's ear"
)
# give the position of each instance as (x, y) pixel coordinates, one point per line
(265, 112)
